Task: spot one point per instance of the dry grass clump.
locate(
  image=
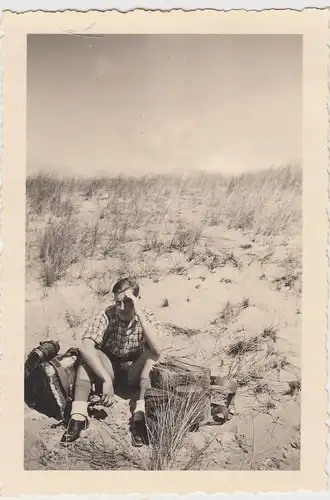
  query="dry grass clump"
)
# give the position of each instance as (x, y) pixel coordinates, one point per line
(179, 330)
(242, 346)
(180, 237)
(269, 332)
(102, 457)
(58, 249)
(204, 255)
(275, 206)
(169, 429)
(294, 388)
(73, 319)
(63, 241)
(46, 193)
(229, 312)
(253, 361)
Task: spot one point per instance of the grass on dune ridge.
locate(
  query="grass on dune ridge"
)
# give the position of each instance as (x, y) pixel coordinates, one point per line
(152, 213)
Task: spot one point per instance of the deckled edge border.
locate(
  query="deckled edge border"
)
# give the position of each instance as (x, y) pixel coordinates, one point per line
(193, 496)
(327, 465)
(1, 216)
(162, 6)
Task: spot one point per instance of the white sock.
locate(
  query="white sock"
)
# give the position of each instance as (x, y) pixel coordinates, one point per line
(140, 406)
(79, 410)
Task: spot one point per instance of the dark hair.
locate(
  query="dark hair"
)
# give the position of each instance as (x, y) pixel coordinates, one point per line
(124, 284)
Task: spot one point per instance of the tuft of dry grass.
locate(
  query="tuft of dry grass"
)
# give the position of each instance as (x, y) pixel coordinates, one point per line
(228, 313)
(58, 248)
(45, 192)
(169, 429)
(274, 209)
(269, 332)
(242, 346)
(101, 457)
(294, 388)
(246, 303)
(73, 320)
(260, 388)
(165, 302)
(179, 330)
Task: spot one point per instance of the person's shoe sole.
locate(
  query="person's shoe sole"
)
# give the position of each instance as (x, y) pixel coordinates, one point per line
(65, 444)
(137, 441)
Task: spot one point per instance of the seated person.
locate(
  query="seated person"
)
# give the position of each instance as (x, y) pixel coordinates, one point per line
(124, 333)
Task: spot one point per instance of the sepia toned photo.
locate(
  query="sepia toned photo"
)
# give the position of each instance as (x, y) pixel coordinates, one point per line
(163, 252)
(164, 286)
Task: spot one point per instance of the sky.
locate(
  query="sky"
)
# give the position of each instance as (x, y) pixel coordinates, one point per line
(163, 103)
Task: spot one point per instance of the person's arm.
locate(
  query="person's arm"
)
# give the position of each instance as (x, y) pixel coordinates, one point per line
(150, 326)
(91, 340)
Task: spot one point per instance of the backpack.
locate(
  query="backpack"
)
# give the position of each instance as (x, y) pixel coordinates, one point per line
(48, 385)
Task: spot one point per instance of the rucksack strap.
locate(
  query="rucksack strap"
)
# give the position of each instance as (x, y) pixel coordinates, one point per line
(63, 376)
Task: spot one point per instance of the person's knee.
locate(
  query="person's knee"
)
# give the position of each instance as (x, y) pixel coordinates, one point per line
(142, 367)
(152, 357)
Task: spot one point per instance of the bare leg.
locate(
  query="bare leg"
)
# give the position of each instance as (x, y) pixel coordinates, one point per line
(139, 374)
(79, 415)
(83, 385)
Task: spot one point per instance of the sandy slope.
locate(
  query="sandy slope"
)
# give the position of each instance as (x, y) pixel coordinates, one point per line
(241, 317)
(195, 301)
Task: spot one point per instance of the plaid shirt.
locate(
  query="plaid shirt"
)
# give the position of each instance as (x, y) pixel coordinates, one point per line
(115, 336)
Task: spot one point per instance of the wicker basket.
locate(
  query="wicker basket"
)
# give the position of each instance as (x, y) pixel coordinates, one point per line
(174, 372)
(163, 408)
(196, 401)
(156, 401)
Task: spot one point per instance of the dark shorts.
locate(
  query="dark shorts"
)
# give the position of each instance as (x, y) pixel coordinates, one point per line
(121, 365)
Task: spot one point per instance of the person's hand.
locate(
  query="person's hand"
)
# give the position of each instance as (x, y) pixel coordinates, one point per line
(129, 295)
(107, 393)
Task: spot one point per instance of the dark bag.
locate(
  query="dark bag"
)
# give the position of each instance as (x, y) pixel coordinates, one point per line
(49, 381)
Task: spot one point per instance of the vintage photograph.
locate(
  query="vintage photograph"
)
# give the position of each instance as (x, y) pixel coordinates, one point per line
(163, 252)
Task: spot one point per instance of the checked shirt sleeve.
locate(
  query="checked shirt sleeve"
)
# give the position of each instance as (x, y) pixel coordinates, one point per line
(96, 328)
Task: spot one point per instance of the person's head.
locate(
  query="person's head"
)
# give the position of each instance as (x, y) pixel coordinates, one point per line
(124, 305)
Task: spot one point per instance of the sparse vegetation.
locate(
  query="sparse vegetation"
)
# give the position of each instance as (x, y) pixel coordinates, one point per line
(182, 238)
(294, 387)
(269, 332)
(227, 314)
(245, 303)
(73, 320)
(242, 346)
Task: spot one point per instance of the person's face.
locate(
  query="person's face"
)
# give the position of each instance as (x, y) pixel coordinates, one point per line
(124, 305)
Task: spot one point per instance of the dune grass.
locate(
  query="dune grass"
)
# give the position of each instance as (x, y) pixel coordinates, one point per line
(137, 220)
(161, 214)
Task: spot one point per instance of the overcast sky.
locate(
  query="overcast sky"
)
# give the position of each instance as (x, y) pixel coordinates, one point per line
(156, 103)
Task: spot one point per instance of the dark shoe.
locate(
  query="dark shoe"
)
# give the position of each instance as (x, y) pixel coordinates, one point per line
(137, 440)
(74, 430)
(138, 429)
